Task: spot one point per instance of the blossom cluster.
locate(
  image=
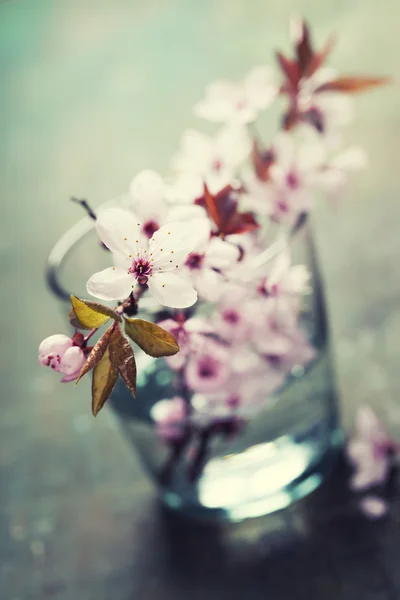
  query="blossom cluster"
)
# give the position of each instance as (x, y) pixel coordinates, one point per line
(217, 231)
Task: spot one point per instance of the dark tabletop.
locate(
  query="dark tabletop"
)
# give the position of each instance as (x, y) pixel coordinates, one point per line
(91, 92)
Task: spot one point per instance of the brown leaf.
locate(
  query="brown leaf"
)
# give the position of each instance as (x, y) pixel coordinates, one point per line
(74, 321)
(290, 70)
(151, 338)
(123, 359)
(104, 379)
(97, 352)
(92, 314)
(352, 85)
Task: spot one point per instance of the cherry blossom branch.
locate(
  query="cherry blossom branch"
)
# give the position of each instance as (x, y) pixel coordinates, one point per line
(85, 205)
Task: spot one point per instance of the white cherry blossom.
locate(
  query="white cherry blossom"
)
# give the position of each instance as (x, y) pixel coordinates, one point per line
(136, 261)
(215, 160)
(148, 200)
(226, 101)
(208, 260)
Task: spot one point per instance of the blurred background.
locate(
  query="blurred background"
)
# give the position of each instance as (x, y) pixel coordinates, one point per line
(92, 91)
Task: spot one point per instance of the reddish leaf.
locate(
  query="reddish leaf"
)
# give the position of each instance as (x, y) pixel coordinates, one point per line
(290, 69)
(318, 58)
(123, 359)
(241, 223)
(214, 207)
(222, 209)
(262, 161)
(104, 378)
(304, 51)
(352, 85)
(97, 352)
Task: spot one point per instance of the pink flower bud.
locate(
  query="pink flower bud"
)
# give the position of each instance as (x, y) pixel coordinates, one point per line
(59, 353)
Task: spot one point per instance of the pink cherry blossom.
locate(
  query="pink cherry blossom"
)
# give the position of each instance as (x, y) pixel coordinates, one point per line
(137, 261)
(370, 451)
(205, 265)
(148, 201)
(232, 320)
(274, 277)
(170, 417)
(285, 283)
(213, 159)
(247, 391)
(278, 337)
(226, 101)
(60, 354)
(303, 165)
(209, 369)
(190, 335)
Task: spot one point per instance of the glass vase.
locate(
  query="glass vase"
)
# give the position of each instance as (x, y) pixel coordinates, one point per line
(224, 462)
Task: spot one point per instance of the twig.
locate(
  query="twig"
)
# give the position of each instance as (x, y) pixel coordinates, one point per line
(85, 205)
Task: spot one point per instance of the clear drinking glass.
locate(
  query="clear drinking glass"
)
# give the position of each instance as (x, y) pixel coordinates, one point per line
(226, 467)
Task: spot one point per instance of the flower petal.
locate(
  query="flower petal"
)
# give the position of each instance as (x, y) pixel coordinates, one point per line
(186, 188)
(232, 145)
(171, 290)
(72, 361)
(119, 230)
(285, 151)
(221, 254)
(351, 159)
(148, 192)
(260, 89)
(194, 152)
(187, 212)
(368, 426)
(52, 346)
(209, 284)
(147, 186)
(111, 284)
(220, 99)
(171, 244)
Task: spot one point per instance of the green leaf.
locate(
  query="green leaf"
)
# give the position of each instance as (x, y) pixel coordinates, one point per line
(92, 314)
(104, 379)
(97, 352)
(123, 359)
(151, 338)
